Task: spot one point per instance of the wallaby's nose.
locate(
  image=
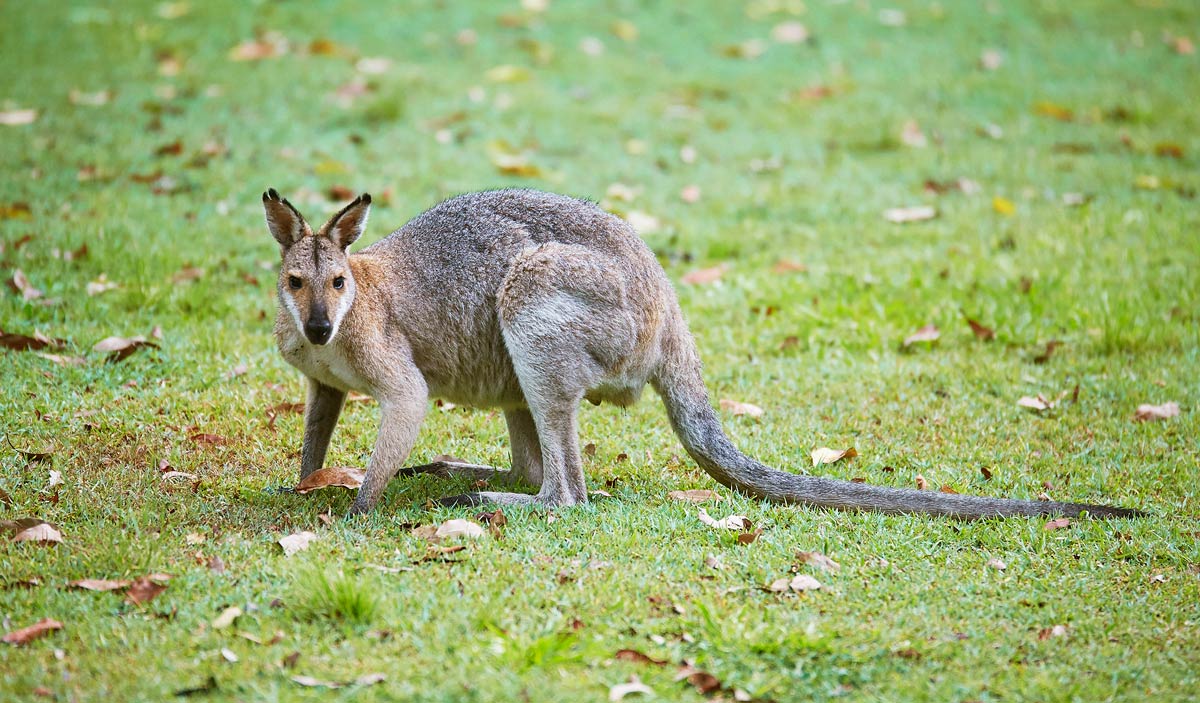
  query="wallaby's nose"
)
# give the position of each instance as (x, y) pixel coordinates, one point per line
(318, 331)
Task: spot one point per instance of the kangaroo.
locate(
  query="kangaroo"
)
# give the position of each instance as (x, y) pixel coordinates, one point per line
(529, 302)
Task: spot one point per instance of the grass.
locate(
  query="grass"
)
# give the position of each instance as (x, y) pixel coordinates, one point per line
(914, 613)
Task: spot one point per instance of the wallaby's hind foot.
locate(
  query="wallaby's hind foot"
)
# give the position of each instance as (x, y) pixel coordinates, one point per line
(487, 498)
(457, 469)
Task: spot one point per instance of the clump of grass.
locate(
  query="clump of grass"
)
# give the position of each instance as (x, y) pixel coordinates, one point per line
(325, 594)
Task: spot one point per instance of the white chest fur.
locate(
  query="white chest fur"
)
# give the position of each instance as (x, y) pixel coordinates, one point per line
(327, 364)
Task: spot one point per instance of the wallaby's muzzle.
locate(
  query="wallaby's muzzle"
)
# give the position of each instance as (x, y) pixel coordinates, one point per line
(318, 329)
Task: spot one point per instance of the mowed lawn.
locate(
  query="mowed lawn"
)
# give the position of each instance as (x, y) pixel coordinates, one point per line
(1056, 143)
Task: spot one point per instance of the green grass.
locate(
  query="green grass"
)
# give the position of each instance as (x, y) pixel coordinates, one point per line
(914, 614)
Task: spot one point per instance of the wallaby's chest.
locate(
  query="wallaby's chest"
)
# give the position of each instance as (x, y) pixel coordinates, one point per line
(326, 364)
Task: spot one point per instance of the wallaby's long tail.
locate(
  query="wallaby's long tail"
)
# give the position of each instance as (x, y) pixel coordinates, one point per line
(681, 386)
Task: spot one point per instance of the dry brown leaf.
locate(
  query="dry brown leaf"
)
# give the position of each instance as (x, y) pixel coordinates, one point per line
(915, 213)
(634, 686)
(749, 535)
(32, 530)
(100, 285)
(146, 588)
(1037, 403)
(702, 277)
(987, 334)
(818, 560)
(270, 45)
(1045, 355)
(738, 408)
(13, 118)
(1048, 632)
(96, 99)
(911, 135)
(928, 333)
(997, 564)
(788, 266)
(25, 635)
(789, 33)
(121, 347)
(188, 274)
(825, 455)
(20, 342)
(511, 161)
(99, 584)
(20, 284)
(922, 484)
(1147, 412)
(297, 542)
(1053, 110)
(636, 657)
(1057, 524)
(332, 476)
(696, 495)
(226, 618)
(458, 528)
(732, 522)
(798, 583)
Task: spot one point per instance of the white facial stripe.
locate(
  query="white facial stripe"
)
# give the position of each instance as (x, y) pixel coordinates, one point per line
(345, 300)
(290, 303)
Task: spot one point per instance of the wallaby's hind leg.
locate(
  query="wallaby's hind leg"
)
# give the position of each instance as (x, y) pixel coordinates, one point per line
(567, 330)
(526, 448)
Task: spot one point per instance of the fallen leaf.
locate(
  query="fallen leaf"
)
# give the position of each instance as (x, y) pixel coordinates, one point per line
(146, 588)
(226, 618)
(1038, 403)
(187, 275)
(17, 211)
(20, 342)
(1168, 150)
(32, 530)
(333, 476)
(63, 360)
(788, 266)
(270, 45)
(732, 522)
(1048, 632)
(1057, 524)
(1004, 206)
(633, 687)
(1049, 352)
(911, 135)
(13, 118)
(997, 564)
(102, 585)
(915, 213)
(508, 73)
(798, 583)
(1147, 412)
(56, 479)
(311, 682)
(25, 635)
(749, 535)
(1049, 109)
(458, 528)
(696, 495)
(700, 277)
(511, 161)
(229, 655)
(987, 334)
(636, 657)
(749, 49)
(690, 194)
(987, 473)
(928, 333)
(20, 284)
(297, 542)
(120, 348)
(737, 408)
(1182, 45)
(643, 222)
(990, 59)
(789, 33)
(825, 455)
(624, 30)
(818, 560)
(100, 285)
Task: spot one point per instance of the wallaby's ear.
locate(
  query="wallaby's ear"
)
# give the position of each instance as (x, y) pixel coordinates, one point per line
(286, 223)
(348, 225)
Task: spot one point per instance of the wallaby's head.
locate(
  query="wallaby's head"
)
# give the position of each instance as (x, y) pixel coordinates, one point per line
(315, 282)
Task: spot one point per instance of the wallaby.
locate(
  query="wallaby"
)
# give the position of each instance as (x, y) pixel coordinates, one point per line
(529, 302)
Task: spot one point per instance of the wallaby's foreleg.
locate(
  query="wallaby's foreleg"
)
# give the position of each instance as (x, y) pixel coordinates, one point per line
(320, 416)
(400, 421)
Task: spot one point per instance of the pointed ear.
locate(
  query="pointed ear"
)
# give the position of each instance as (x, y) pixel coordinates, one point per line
(348, 225)
(286, 223)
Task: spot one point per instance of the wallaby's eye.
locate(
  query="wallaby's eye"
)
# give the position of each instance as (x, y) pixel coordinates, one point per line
(295, 283)
(339, 282)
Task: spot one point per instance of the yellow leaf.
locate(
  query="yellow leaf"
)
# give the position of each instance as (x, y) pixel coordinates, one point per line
(1004, 206)
(625, 30)
(508, 73)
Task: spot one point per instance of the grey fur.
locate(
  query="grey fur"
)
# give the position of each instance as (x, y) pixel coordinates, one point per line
(529, 302)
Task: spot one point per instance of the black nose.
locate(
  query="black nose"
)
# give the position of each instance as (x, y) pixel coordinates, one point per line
(318, 331)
